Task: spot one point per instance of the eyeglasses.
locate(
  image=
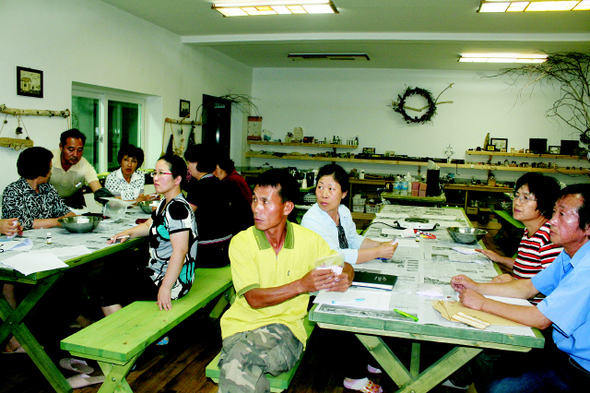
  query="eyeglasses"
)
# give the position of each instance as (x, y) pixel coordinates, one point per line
(154, 174)
(523, 198)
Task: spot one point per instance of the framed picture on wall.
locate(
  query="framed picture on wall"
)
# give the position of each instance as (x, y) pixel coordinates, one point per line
(185, 108)
(29, 82)
(500, 144)
(554, 149)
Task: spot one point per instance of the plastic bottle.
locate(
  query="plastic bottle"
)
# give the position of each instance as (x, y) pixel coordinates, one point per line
(49, 241)
(362, 175)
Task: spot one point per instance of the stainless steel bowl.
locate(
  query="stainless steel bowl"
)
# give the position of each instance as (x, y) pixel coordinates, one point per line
(466, 235)
(80, 224)
(148, 206)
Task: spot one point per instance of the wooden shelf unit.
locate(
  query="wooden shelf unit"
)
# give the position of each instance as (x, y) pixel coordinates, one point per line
(482, 167)
(325, 145)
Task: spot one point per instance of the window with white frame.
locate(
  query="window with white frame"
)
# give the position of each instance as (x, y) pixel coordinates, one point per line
(109, 119)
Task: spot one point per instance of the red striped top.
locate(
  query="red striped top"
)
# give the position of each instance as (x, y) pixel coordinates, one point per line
(535, 253)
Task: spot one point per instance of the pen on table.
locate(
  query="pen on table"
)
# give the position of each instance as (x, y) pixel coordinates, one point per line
(347, 301)
(405, 314)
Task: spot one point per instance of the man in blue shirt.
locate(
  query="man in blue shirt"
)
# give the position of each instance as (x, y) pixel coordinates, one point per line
(566, 285)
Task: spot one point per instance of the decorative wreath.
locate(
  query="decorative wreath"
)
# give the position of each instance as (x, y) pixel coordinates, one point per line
(400, 106)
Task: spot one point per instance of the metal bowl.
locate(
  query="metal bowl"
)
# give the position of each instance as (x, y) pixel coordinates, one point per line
(466, 235)
(80, 224)
(148, 206)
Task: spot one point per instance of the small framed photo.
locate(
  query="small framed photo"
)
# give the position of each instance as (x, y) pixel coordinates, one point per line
(554, 149)
(491, 147)
(29, 82)
(185, 108)
(501, 144)
(368, 150)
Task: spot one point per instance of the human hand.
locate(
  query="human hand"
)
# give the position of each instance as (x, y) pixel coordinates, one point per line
(164, 299)
(318, 279)
(489, 253)
(121, 237)
(461, 282)
(471, 299)
(386, 250)
(503, 278)
(10, 227)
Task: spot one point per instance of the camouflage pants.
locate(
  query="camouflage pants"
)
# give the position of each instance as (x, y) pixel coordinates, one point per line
(247, 356)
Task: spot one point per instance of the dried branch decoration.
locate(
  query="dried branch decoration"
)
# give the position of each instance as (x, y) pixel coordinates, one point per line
(571, 71)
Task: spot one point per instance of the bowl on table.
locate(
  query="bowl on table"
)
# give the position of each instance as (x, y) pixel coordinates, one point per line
(466, 235)
(148, 206)
(80, 224)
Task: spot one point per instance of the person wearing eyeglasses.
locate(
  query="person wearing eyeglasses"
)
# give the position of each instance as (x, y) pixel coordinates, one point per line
(533, 204)
(172, 232)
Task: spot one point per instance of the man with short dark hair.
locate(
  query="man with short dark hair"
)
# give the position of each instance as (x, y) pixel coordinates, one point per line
(71, 170)
(273, 272)
(566, 306)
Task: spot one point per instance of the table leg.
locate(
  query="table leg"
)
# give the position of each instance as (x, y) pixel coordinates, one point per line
(386, 359)
(115, 376)
(415, 360)
(13, 325)
(413, 381)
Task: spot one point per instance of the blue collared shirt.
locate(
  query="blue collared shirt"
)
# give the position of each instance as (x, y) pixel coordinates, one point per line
(321, 223)
(566, 283)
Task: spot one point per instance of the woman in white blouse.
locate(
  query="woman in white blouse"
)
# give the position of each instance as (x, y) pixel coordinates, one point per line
(127, 182)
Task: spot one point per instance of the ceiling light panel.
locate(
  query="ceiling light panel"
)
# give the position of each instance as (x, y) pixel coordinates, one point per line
(534, 5)
(277, 7)
(501, 58)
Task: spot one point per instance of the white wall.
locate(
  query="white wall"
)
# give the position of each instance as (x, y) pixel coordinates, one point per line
(350, 102)
(88, 41)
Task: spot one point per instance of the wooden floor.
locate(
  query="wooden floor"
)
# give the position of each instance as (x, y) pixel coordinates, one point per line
(180, 365)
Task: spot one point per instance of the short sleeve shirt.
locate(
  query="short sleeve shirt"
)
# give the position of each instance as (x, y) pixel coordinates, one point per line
(254, 264)
(119, 187)
(321, 223)
(175, 217)
(567, 302)
(21, 201)
(65, 181)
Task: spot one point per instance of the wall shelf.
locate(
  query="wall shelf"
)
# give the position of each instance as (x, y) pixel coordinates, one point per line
(482, 167)
(324, 145)
(520, 155)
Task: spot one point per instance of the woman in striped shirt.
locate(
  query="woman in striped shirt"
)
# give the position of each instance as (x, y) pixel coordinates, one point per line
(533, 204)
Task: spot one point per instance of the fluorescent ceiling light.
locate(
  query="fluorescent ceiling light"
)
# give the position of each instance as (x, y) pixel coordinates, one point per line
(328, 56)
(277, 7)
(501, 58)
(534, 5)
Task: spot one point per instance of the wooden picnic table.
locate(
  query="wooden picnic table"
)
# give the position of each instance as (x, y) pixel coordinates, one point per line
(14, 321)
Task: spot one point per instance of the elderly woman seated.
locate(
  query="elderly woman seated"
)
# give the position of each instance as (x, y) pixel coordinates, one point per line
(127, 182)
(32, 199)
(33, 202)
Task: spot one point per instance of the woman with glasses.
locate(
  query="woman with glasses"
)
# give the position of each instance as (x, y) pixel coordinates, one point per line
(533, 204)
(172, 233)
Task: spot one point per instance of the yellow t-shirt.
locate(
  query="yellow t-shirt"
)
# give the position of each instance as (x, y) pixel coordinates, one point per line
(65, 181)
(254, 264)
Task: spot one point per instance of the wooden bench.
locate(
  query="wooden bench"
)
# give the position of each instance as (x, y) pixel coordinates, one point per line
(116, 341)
(278, 383)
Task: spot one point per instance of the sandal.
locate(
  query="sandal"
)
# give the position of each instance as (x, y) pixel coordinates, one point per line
(362, 385)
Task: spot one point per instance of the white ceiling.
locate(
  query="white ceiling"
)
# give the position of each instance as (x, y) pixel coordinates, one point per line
(411, 34)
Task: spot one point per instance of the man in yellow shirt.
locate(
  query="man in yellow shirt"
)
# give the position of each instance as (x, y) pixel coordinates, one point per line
(71, 170)
(273, 272)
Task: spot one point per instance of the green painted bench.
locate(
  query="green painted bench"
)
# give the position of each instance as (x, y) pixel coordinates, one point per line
(278, 383)
(116, 341)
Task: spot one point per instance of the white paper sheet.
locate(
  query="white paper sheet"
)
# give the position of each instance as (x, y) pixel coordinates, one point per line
(33, 261)
(357, 298)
